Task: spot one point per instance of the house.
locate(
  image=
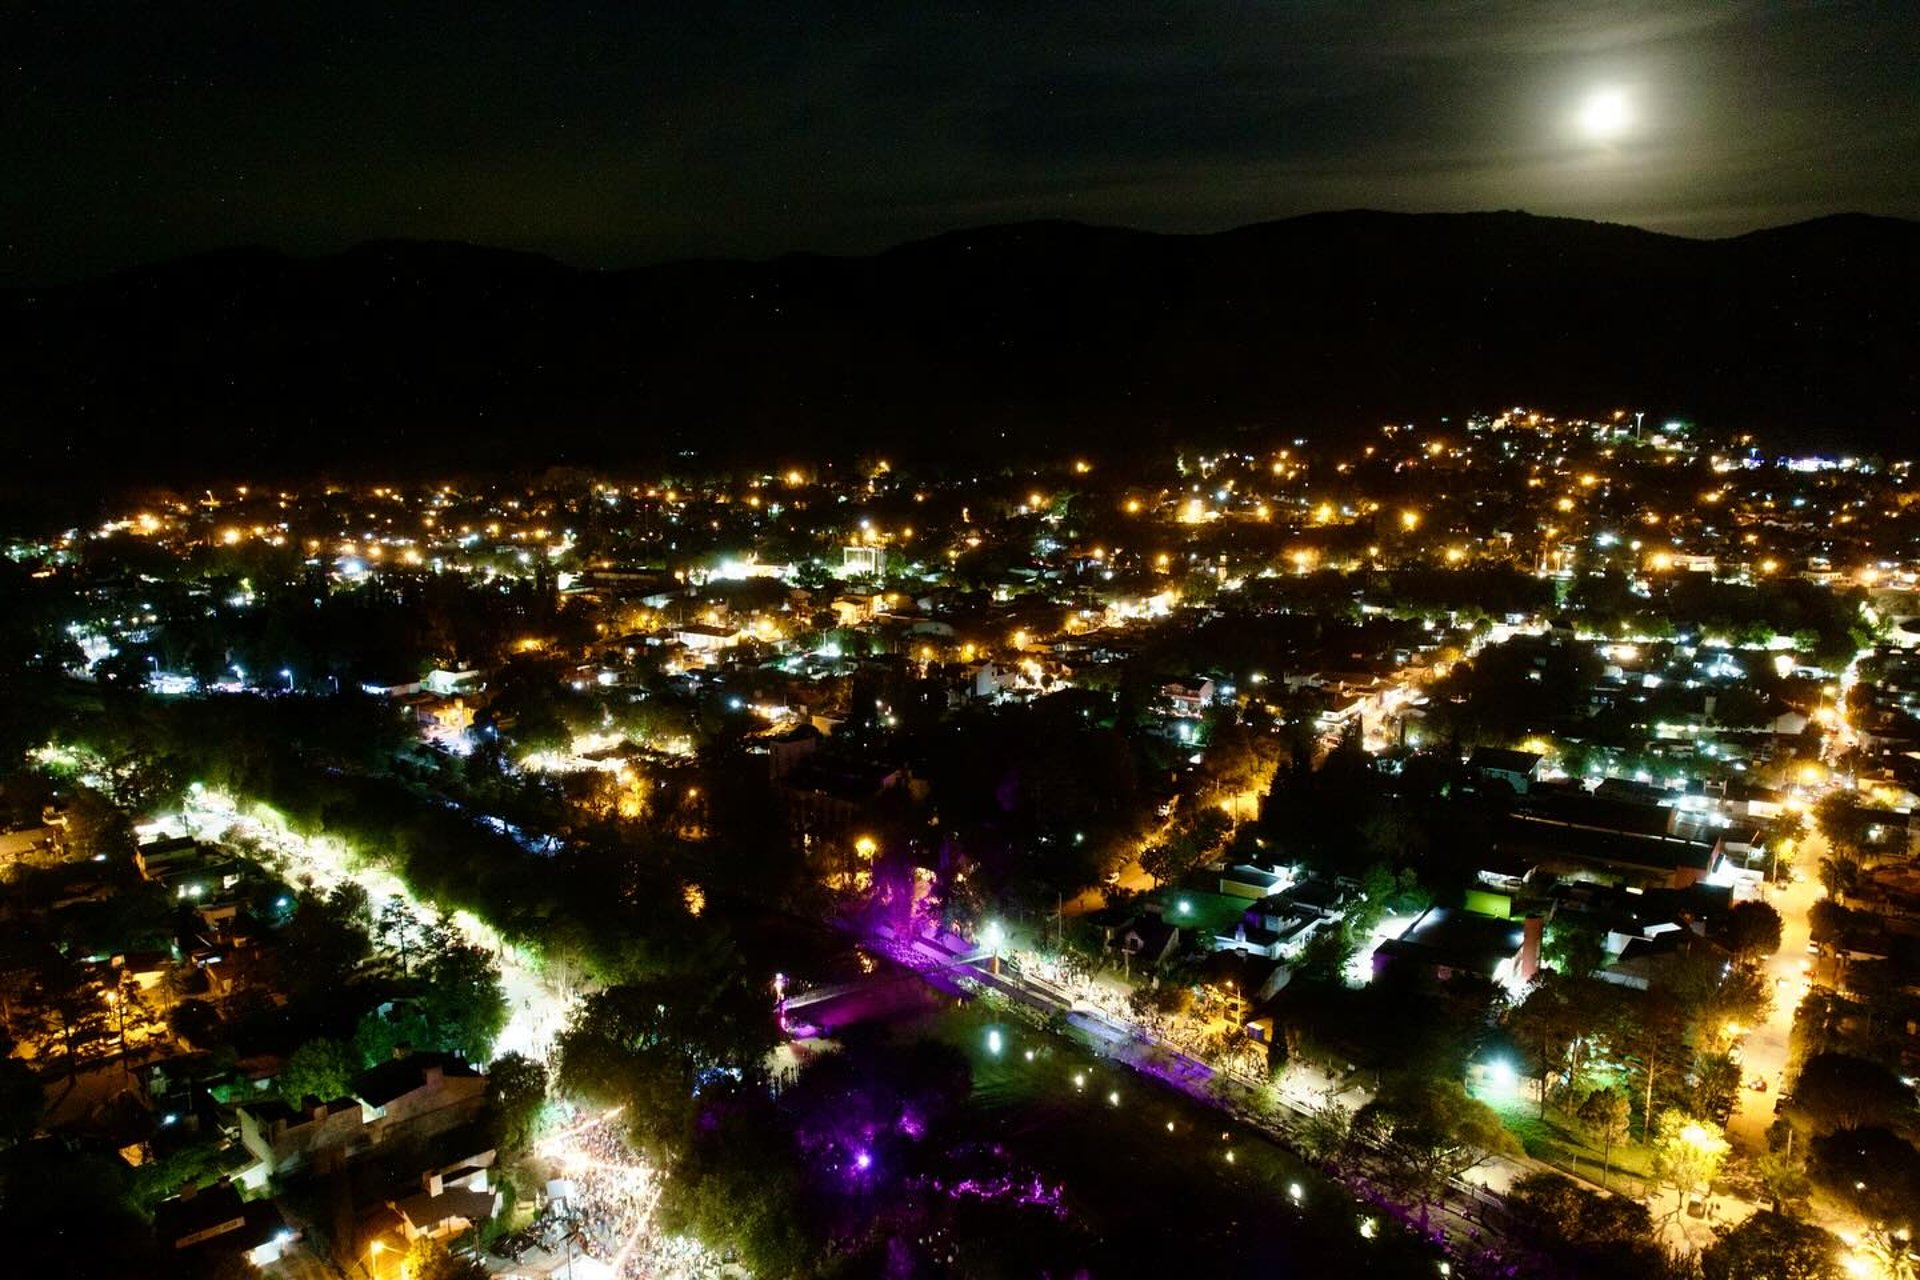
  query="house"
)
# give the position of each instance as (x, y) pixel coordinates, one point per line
(415, 1097)
(448, 683)
(191, 869)
(422, 1094)
(1292, 926)
(1187, 697)
(786, 750)
(857, 558)
(1251, 939)
(324, 1135)
(451, 1200)
(705, 637)
(215, 1220)
(1318, 896)
(1598, 850)
(447, 1204)
(1518, 769)
(1457, 943)
(1244, 880)
(991, 680)
(1149, 940)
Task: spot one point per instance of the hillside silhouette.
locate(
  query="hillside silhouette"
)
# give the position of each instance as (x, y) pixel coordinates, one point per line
(1002, 342)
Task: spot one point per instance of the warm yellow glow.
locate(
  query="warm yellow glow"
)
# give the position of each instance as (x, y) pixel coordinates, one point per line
(1082, 467)
(1323, 514)
(1455, 555)
(229, 536)
(1409, 520)
(866, 846)
(1193, 511)
(1769, 566)
(1565, 504)
(1133, 506)
(1660, 561)
(1303, 559)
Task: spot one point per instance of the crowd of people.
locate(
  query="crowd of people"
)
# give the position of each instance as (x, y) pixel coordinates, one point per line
(606, 1209)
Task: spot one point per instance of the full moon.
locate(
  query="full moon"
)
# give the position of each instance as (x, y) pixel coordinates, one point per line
(1605, 115)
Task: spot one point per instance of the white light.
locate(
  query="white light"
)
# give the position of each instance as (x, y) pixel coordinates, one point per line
(994, 1042)
(1606, 114)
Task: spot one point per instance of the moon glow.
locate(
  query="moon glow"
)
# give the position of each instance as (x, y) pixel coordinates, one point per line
(1605, 115)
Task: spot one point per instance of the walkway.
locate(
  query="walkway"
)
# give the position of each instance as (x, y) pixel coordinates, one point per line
(1764, 1050)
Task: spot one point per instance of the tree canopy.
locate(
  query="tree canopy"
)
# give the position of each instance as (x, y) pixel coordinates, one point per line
(1753, 930)
(1587, 1233)
(1772, 1246)
(320, 1068)
(653, 1044)
(1840, 1091)
(1432, 1132)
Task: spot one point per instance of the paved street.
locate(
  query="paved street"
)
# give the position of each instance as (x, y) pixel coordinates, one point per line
(537, 1007)
(1764, 1050)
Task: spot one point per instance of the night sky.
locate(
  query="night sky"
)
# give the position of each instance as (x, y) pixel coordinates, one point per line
(620, 133)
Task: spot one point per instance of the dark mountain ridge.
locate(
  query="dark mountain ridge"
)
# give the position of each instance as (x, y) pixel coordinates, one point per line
(1002, 341)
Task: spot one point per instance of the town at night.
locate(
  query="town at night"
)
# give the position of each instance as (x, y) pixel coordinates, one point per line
(859, 647)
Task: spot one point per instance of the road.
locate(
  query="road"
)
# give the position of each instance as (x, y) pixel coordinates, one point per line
(1764, 1049)
(538, 1009)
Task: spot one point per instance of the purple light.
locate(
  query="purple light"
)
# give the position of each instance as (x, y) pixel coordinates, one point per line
(1026, 1191)
(863, 1160)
